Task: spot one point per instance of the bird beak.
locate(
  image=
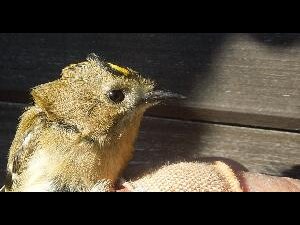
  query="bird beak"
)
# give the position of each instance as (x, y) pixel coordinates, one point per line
(161, 95)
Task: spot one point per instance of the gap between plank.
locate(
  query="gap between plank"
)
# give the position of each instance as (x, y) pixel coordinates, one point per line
(226, 124)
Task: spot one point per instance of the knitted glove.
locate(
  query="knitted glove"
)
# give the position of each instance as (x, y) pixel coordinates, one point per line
(188, 177)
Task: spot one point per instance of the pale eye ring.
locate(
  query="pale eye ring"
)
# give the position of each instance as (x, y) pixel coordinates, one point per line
(117, 96)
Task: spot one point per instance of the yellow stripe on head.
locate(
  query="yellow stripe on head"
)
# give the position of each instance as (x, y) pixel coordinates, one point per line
(119, 69)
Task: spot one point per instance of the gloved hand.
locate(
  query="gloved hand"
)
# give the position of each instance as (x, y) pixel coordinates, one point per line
(210, 175)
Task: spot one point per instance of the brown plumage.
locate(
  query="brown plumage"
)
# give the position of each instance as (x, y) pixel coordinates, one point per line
(81, 130)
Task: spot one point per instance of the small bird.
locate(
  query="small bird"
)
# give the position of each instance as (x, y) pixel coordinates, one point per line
(79, 135)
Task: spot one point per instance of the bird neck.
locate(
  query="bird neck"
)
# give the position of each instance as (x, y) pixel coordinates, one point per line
(102, 158)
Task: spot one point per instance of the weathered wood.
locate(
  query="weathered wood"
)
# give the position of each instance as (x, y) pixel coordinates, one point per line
(162, 140)
(250, 79)
(263, 151)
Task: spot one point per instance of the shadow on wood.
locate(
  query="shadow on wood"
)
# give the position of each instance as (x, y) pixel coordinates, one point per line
(281, 40)
(294, 172)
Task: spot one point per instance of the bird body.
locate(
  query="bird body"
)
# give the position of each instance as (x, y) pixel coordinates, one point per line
(52, 157)
(81, 130)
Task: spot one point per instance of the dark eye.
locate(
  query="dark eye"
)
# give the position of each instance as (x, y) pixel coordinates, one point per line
(116, 96)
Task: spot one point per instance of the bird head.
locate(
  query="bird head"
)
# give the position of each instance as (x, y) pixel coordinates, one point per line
(98, 98)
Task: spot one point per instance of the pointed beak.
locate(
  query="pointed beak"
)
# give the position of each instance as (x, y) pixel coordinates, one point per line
(161, 95)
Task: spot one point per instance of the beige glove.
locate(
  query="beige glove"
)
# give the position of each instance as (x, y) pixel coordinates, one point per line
(209, 176)
(188, 177)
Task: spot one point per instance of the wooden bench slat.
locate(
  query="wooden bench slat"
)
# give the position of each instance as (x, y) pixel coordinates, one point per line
(250, 79)
(264, 151)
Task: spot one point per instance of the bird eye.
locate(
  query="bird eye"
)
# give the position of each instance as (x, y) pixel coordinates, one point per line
(116, 96)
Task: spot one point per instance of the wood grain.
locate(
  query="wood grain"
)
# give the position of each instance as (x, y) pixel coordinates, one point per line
(162, 140)
(263, 151)
(245, 79)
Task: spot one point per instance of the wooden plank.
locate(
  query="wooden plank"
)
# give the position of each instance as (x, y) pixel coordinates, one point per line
(250, 79)
(263, 151)
(162, 140)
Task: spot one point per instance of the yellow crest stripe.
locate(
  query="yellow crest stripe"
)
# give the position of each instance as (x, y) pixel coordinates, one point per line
(122, 70)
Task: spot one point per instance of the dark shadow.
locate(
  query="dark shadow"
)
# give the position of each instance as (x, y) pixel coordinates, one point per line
(281, 40)
(9, 115)
(163, 57)
(294, 172)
